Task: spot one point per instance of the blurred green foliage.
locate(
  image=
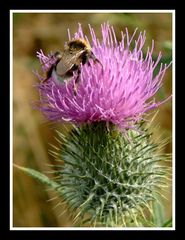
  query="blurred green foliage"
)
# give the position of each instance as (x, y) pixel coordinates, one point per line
(31, 132)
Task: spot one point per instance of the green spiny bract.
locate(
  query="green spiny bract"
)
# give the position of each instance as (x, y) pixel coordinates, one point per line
(109, 178)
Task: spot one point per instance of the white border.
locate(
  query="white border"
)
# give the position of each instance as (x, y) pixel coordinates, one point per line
(11, 118)
(91, 11)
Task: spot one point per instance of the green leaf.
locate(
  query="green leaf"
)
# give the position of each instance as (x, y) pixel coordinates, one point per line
(39, 176)
(158, 214)
(168, 223)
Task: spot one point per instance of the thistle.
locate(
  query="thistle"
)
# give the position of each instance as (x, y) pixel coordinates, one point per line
(109, 168)
(108, 179)
(119, 94)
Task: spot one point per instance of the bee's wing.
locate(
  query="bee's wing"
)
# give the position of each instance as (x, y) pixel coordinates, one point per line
(67, 61)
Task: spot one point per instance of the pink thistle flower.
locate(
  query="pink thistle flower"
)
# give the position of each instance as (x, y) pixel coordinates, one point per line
(121, 93)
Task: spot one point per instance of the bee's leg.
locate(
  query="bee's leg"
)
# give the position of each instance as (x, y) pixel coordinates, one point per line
(77, 81)
(98, 61)
(95, 60)
(88, 63)
(57, 56)
(48, 74)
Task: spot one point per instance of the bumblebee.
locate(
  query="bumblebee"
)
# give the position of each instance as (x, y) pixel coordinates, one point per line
(76, 52)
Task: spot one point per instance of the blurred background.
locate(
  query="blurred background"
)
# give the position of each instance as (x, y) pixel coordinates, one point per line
(33, 204)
